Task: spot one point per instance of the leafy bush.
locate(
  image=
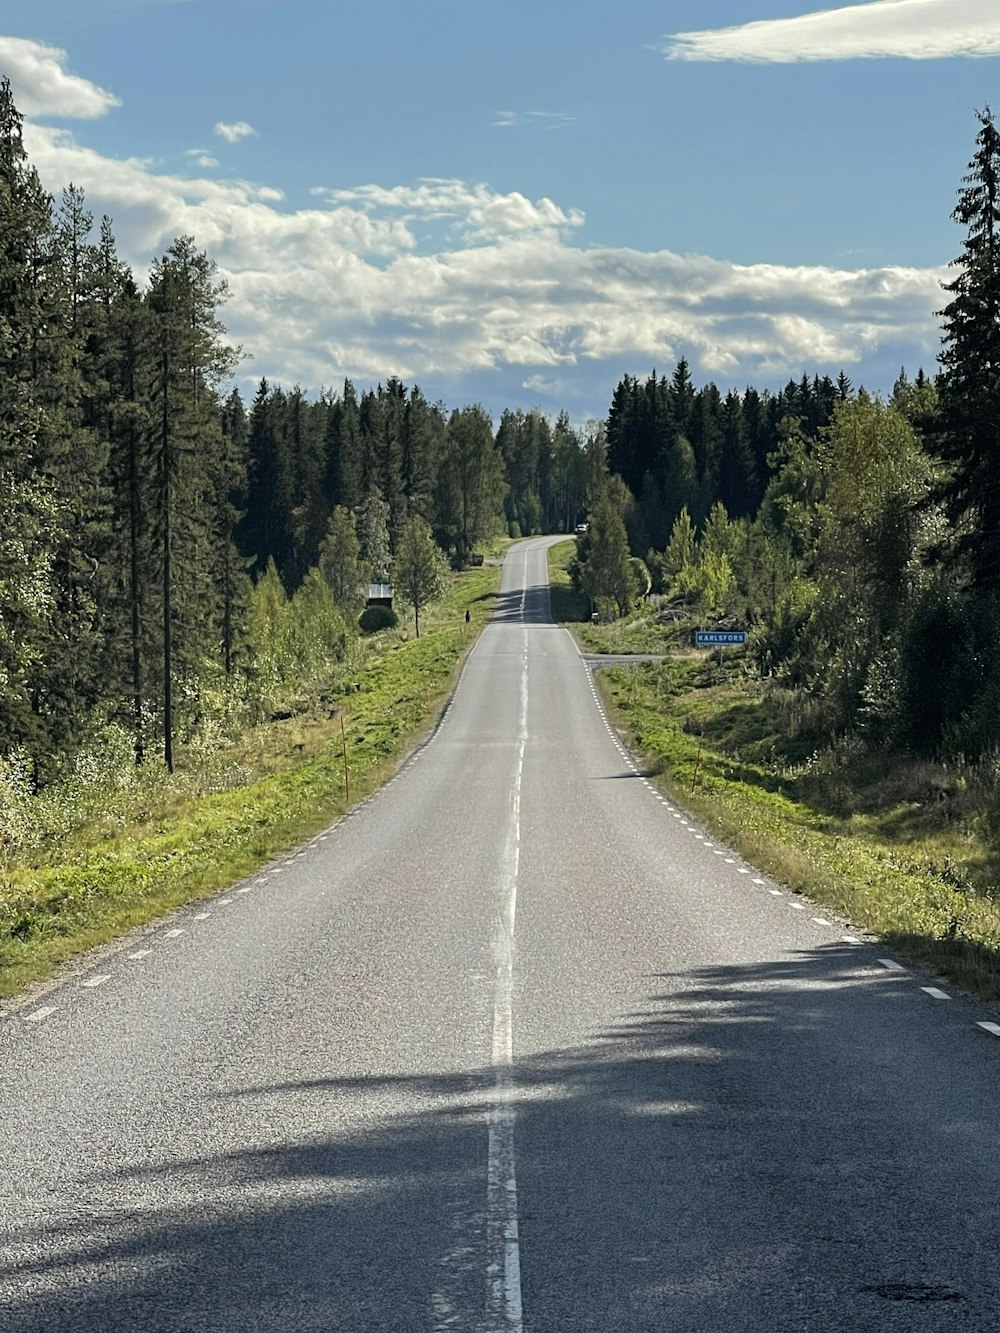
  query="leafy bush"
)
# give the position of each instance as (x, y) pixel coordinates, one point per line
(374, 618)
(296, 642)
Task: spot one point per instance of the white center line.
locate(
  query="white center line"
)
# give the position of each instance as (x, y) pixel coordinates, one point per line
(93, 982)
(503, 1294)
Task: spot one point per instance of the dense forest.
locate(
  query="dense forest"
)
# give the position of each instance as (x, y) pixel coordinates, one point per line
(172, 557)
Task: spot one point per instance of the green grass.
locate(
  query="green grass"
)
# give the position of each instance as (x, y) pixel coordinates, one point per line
(102, 880)
(896, 846)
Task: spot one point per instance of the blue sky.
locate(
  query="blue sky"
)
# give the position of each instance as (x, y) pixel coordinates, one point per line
(518, 204)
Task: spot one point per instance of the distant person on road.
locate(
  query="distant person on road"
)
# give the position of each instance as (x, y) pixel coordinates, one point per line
(468, 615)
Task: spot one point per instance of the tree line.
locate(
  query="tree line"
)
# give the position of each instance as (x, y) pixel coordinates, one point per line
(858, 540)
(170, 554)
(172, 557)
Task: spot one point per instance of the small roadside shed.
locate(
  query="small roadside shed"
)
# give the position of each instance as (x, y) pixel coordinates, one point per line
(379, 594)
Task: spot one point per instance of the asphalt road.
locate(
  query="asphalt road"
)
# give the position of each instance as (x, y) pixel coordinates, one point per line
(514, 1046)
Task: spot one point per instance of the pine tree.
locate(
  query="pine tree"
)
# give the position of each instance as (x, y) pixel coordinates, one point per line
(737, 483)
(50, 469)
(423, 430)
(344, 451)
(228, 479)
(190, 359)
(968, 433)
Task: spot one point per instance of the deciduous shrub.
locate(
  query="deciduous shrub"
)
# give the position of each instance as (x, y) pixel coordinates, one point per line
(374, 618)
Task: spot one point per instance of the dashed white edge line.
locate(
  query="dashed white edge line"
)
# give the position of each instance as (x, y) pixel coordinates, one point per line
(93, 982)
(37, 1015)
(935, 992)
(891, 965)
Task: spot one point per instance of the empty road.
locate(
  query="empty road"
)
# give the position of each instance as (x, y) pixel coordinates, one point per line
(516, 1046)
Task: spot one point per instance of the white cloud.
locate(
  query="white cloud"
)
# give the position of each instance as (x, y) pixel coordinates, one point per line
(42, 85)
(550, 120)
(444, 281)
(474, 211)
(201, 157)
(234, 131)
(911, 29)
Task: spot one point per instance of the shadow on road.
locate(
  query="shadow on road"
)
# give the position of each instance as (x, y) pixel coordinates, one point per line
(535, 609)
(743, 1151)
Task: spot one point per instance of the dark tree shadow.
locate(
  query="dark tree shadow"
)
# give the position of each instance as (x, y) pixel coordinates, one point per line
(742, 1151)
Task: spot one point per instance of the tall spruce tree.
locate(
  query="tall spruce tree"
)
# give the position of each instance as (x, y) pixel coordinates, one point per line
(968, 433)
(190, 359)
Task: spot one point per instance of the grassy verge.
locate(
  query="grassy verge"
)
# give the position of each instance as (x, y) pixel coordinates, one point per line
(895, 846)
(101, 880)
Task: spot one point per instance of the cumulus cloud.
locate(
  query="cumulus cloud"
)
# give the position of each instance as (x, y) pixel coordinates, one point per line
(235, 130)
(445, 282)
(474, 211)
(910, 29)
(43, 86)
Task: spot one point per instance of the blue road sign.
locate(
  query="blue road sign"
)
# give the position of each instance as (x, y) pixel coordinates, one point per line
(715, 638)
